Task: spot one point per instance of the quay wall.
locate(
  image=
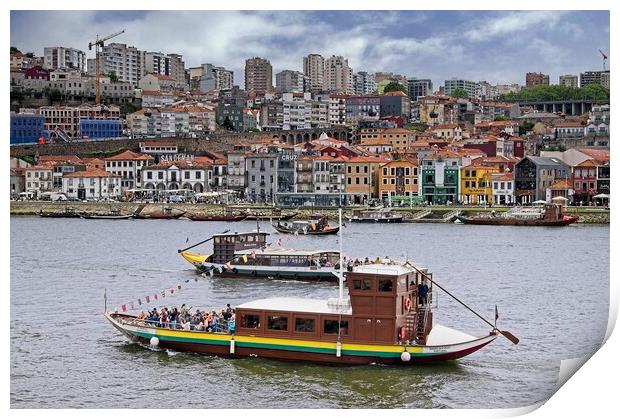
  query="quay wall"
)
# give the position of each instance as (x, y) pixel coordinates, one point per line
(586, 215)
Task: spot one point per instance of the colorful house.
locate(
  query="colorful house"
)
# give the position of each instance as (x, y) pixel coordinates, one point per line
(440, 177)
(476, 183)
(361, 177)
(397, 179)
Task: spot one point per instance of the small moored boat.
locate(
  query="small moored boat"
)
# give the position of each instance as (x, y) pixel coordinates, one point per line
(66, 213)
(383, 215)
(549, 215)
(166, 213)
(221, 217)
(316, 226)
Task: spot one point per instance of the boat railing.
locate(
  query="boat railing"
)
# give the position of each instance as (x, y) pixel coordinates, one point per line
(225, 327)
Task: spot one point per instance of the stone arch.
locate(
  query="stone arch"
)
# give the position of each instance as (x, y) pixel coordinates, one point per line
(306, 137)
(314, 136)
(188, 186)
(173, 185)
(283, 138)
(291, 139)
(298, 139)
(149, 186)
(161, 186)
(198, 188)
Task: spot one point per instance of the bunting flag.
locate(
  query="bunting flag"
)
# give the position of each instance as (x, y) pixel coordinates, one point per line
(148, 299)
(280, 242)
(171, 291)
(139, 302)
(253, 254)
(155, 296)
(163, 294)
(211, 273)
(186, 281)
(296, 233)
(132, 306)
(228, 266)
(178, 286)
(245, 258)
(124, 307)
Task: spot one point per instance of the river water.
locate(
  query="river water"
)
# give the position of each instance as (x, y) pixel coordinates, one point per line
(551, 286)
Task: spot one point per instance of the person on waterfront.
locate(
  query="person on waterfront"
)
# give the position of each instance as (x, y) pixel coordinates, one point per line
(422, 293)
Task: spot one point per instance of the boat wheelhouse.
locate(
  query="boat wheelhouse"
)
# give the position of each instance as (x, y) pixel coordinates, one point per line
(248, 255)
(381, 320)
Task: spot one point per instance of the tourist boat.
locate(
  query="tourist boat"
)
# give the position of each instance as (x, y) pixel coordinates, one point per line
(66, 213)
(221, 217)
(379, 321)
(315, 226)
(248, 255)
(163, 214)
(540, 215)
(375, 216)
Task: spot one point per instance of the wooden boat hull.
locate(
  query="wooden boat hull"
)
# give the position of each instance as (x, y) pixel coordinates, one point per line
(299, 273)
(288, 349)
(159, 216)
(106, 217)
(284, 230)
(502, 221)
(195, 217)
(59, 215)
(397, 219)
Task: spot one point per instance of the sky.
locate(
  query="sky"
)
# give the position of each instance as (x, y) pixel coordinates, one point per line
(495, 46)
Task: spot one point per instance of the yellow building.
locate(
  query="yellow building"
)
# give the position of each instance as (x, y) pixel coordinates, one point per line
(437, 110)
(361, 175)
(398, 178)
(476, 183)
(399, 138)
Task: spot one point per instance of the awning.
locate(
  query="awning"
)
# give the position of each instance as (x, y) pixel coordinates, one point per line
(559, 198)
(601, 196)
(539, 202)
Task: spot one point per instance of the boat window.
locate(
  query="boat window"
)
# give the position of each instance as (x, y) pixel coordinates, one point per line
(216, 240)
(304, 325)
(331, 327)
(361, 284)
(277, 322)
(250, 321)
(385, 285)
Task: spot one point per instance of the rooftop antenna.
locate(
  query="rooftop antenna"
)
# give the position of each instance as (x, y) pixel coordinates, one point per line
(604, 59)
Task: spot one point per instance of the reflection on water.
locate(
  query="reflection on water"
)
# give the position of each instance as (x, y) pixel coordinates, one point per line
(64, 354)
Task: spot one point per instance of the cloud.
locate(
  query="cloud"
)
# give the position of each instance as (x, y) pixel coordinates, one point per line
(495, 46)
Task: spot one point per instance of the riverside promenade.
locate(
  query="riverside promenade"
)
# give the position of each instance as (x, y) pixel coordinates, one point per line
(588, 215)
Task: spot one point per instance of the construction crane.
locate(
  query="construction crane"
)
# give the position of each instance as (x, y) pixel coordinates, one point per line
(98, 44)
(604, 59)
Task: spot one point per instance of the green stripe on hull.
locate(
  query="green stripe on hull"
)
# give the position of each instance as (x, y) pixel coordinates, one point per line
(349, 352)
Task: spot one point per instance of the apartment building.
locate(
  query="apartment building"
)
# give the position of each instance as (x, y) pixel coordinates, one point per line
(314, 70)
(127, 62)
(64, 58)
(165, 64)
(258, 76)
(338, 76)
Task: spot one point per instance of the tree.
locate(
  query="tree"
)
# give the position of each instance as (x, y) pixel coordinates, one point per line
(14, 50)
(113, 77)
(29, 54)
(541, 93)
(525, 127)
(394, 87)
(227, 124)
(501, 118)
(460, 93)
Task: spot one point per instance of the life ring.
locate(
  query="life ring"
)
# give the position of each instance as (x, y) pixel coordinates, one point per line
(403, 333)
(408, 304)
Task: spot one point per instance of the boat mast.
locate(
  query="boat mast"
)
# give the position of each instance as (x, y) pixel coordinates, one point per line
(341, 273)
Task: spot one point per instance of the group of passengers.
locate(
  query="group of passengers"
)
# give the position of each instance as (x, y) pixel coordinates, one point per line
(350, 263)
(183, 319)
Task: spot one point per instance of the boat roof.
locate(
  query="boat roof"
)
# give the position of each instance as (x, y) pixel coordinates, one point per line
(295, 304)
(245, 233)
(386, 269)
(284, 252)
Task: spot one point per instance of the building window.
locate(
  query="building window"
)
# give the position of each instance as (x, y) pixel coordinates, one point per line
(361, 284)
(385, 285)
(277, 322)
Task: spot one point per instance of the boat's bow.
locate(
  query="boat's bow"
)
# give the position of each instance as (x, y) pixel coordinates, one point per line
(447, 343)
(194, 258)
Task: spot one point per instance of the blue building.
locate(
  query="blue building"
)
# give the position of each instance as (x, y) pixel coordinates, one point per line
(26, 129)
(100, 128)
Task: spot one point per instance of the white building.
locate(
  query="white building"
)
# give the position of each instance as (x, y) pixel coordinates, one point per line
(338, 76)
(155, 99)
(91, 183)
(39, 179)
(337, 109)
(503, 188)
(321, 174)
(126, 62)
(165, 65)
(314, 69)
(177, 175)
(289, 81)
(128, 165)
(364, 83)
(296, 111)
(64, 58)
(470, 87)
(215, 78)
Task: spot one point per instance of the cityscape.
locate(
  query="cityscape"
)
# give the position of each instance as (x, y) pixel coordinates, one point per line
(138, 136)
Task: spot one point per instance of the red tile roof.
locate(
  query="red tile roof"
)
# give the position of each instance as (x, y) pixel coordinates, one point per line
(91, 172)
(129, 155)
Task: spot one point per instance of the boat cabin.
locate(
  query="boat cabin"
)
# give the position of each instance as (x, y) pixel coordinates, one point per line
(383, 308)
(226, 245)
(288, 257)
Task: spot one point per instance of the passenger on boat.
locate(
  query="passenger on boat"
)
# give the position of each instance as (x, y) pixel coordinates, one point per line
(141, 315)
(366, 261)
(422, 293)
